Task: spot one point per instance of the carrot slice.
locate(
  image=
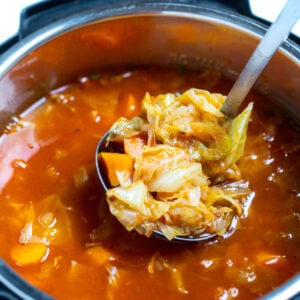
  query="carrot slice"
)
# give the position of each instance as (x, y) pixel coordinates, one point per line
(134, 146)
(29, 253)
(116, 162)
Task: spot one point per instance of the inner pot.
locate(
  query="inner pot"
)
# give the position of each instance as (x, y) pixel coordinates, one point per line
(148, 33)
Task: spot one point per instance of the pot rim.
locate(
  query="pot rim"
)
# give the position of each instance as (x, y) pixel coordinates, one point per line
(133, 9)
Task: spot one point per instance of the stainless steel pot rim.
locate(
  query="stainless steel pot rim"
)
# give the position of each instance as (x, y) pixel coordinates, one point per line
(137, 8)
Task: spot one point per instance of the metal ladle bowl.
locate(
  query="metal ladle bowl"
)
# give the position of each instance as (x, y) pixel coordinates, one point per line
(104, 146)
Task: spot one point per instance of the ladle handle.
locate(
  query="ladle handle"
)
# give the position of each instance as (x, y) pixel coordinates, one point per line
(278, 31)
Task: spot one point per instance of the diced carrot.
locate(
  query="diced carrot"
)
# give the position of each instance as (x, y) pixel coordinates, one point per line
(28, 254)
(116, 162)
(98, 255)
(134, 146)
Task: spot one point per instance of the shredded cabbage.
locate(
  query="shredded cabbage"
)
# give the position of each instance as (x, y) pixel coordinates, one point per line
(186, 180)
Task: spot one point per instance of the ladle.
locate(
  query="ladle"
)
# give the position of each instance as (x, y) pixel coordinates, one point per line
(265, 50)
(278, 31)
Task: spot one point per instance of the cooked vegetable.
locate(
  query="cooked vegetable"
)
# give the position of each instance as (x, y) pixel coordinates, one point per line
(134, 146)
(28, 253)
(124, 128)
(238, 133)
(190, 145)
(133, 204)
(117, 162)
(158, 264)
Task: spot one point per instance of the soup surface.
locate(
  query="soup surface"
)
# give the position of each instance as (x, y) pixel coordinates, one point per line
(57, 233)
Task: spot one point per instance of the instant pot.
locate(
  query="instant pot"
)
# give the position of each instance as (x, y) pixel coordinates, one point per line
(49, 51)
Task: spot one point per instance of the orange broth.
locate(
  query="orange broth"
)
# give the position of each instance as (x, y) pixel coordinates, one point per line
(50, 195)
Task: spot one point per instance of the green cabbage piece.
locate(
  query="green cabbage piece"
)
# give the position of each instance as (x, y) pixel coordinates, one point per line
(124, 128)
(238, 133)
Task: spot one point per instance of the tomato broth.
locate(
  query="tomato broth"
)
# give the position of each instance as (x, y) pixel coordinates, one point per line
(55, 227)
